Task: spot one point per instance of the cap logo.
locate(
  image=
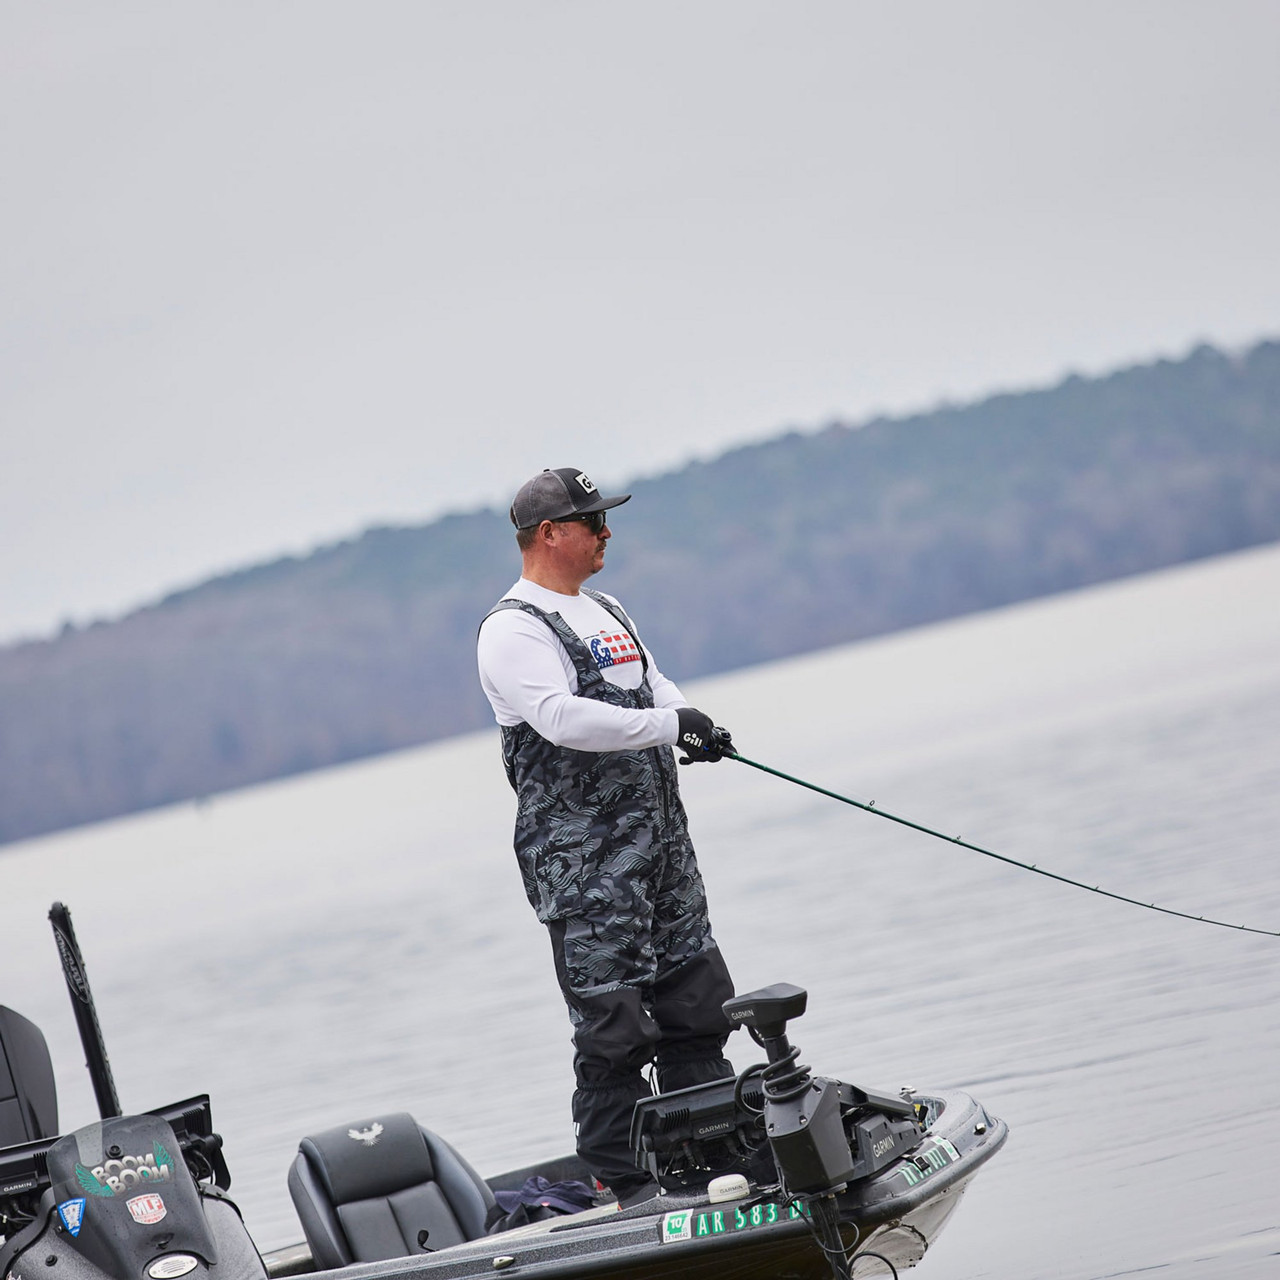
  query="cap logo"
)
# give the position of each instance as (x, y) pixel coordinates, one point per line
(585, 483)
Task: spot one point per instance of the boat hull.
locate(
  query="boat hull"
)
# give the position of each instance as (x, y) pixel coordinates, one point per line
(898, 1213)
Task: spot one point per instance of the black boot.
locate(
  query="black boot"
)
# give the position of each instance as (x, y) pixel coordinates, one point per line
(602, 1117)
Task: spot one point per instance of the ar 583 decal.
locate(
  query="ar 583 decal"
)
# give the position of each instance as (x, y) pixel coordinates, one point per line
(695, 1224)
(121, 1175)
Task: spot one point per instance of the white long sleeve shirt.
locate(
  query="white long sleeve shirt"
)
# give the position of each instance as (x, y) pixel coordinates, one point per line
(528, 676)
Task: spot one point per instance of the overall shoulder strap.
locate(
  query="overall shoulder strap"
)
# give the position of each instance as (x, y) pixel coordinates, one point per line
(583, 663)
(510, 602)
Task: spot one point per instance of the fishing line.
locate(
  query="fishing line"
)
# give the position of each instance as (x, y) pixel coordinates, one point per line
(869, 806)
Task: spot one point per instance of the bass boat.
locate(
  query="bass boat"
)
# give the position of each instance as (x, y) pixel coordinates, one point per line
(777, 1173)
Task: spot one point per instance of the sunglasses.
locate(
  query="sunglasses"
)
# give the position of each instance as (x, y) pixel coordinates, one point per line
(594, 520)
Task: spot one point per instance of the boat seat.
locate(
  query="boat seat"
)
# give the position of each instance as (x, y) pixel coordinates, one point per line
(384, 1188)
(28, 1095)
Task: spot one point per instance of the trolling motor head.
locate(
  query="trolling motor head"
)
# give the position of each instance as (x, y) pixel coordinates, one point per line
(767, 1011)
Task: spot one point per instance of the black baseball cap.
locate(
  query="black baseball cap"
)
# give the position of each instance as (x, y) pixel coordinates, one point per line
(558, 494)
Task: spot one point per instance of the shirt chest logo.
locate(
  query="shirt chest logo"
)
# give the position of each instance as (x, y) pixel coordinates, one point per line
(609, 648)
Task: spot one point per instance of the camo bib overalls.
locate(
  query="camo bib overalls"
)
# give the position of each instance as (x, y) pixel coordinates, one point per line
(603, 846)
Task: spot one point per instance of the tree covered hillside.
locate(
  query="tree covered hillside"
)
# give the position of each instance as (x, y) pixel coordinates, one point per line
(774, 549)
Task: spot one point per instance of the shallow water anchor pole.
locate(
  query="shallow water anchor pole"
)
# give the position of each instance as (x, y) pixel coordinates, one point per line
(95, 1049)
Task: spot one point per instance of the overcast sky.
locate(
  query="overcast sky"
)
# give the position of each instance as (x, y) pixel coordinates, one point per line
(273, 272)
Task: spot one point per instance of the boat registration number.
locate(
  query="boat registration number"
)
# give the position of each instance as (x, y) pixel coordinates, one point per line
(697, 1224)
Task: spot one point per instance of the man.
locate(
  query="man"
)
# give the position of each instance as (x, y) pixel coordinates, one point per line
(588, 722)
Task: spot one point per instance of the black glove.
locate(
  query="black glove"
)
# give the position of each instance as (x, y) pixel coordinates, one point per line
(699, 738)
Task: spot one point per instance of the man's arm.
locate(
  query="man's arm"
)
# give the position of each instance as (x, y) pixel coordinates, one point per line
(527, 676)
(665, 692)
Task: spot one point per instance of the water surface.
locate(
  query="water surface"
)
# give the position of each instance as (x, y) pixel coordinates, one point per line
(318, 949)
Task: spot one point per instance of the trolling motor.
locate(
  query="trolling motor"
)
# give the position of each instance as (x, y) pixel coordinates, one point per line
(802, 1116)
(823, 1133)
(777, 1123)
(815, 1135)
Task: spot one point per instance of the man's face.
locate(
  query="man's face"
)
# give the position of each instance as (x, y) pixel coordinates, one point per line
(581, 547)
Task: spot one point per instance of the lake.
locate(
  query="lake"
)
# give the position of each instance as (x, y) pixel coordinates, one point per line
(315, 950)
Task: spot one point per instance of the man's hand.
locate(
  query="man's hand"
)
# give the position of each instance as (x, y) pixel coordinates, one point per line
(699, 738)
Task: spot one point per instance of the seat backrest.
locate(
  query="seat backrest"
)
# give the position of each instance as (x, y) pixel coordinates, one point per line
(28, 1095)
(384, 1188)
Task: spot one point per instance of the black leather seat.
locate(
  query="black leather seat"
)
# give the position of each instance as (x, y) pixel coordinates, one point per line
(384, 1188)
(28, 1095)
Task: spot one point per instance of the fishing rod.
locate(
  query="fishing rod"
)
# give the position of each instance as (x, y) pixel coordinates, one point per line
(869, 806)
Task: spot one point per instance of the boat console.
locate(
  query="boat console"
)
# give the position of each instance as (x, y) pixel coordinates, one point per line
(24, 1167)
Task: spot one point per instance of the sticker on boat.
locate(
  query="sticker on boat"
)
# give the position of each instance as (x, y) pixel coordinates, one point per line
(676, 1226)
(697, 1224)
(147, 1210)
(72, 1214)
(916, 1168)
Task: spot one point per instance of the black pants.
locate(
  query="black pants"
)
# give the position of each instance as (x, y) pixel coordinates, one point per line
(675, 1021)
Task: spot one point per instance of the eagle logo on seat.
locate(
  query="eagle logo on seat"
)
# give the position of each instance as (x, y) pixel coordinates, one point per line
(368, 1136)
